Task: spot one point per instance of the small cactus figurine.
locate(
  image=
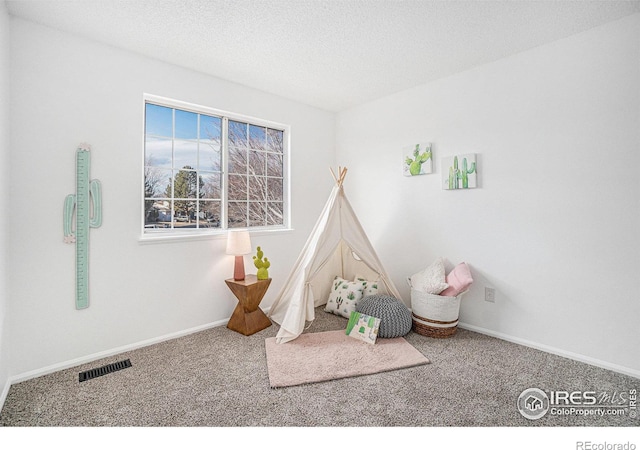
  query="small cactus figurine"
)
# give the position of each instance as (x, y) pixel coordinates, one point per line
(261, 264)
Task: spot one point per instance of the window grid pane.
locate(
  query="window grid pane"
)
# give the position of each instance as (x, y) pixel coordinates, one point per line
(183, 173)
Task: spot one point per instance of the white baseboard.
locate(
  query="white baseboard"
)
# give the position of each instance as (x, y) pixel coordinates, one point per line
(95, 356)
(4, 393)
(555, 351)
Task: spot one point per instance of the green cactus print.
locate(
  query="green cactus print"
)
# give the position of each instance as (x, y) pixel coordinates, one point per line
(465, 173)
(368, 287)
(344, 296)
(459, 177)
(419, 158)
(363, 327)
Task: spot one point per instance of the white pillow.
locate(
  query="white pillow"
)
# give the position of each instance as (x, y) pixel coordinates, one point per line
(431, 280)
(370, 287)
(344, 296)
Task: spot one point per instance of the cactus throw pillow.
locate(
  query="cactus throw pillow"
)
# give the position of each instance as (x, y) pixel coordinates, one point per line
(370, 287)
(344, 296)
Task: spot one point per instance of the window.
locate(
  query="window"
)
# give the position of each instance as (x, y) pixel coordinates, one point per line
(206, 170)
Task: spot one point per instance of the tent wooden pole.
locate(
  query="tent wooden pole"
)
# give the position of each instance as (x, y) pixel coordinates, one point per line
(342, 173)
(333, 175)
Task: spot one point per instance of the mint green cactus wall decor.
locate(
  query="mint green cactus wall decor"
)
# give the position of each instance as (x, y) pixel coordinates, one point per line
(459, 172)
(261, 264)
(417, 160)
(87, 205)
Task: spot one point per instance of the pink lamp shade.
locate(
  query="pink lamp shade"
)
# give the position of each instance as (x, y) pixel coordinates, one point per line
(238, 244)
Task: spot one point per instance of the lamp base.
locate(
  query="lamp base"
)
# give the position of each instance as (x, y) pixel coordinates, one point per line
(238, 268)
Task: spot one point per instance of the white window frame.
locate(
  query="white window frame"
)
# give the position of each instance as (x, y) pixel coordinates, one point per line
(208, 233)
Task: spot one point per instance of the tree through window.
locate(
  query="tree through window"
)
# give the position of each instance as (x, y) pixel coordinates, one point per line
(204, 171)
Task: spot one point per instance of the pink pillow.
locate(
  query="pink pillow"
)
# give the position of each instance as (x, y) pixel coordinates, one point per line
(459, 280)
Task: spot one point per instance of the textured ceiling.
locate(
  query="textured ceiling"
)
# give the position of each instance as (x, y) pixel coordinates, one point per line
(327, 53)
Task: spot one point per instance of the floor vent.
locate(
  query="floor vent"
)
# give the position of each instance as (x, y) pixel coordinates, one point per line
(109, 368)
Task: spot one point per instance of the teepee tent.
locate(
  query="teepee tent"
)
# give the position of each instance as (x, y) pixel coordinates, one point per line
(337, 246)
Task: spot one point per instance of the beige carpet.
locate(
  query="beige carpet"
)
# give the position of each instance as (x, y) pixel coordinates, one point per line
(218, 378)
(330, 355)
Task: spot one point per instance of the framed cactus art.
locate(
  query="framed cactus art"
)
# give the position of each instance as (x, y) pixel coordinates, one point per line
(459, 172)
(417, 160)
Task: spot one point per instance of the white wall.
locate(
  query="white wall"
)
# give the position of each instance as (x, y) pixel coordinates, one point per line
(66, 90)
(4, 204)
(554, 224)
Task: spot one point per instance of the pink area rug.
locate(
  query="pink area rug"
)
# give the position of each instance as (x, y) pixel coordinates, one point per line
(329, 355)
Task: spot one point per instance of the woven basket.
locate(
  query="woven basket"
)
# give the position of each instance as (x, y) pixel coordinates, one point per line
(434, 315)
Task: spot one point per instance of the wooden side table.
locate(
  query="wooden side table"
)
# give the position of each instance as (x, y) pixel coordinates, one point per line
(248, 318)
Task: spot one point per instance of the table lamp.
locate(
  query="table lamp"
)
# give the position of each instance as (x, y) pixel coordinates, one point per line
(238, 244)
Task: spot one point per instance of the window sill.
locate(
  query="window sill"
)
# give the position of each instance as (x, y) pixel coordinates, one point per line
(153, 238)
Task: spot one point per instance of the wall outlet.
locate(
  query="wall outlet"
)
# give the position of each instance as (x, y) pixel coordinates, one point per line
(490, 294)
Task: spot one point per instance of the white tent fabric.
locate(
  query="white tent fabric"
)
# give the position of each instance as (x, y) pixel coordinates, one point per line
(337, 246)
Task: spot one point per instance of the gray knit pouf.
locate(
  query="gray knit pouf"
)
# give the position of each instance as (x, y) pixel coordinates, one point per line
(395, 318)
